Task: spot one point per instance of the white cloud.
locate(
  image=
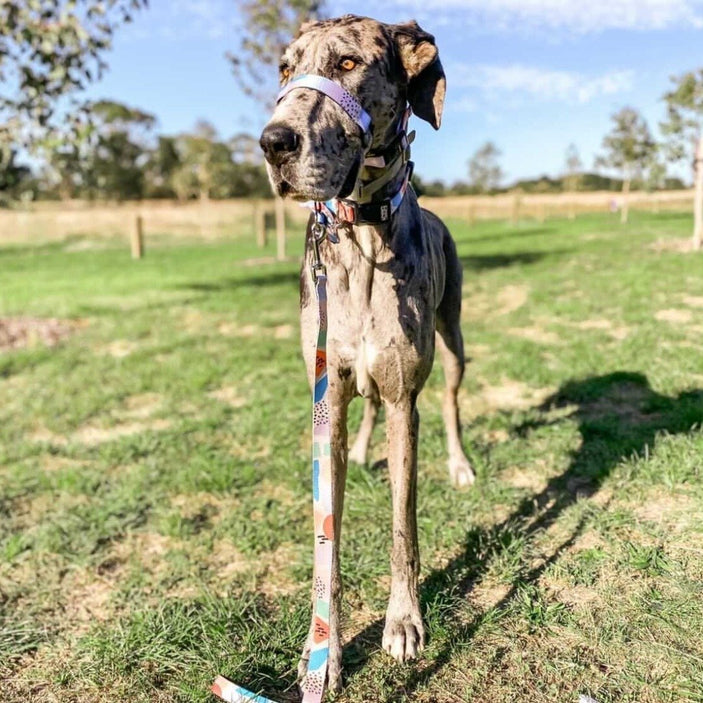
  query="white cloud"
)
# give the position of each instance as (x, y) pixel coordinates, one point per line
(570, 15)
(519, 81)
(185, 19)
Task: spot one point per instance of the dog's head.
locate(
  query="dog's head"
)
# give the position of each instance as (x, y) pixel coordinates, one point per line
(313, 147)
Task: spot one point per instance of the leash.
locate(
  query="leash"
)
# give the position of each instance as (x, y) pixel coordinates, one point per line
(313, 686)
(327, 217)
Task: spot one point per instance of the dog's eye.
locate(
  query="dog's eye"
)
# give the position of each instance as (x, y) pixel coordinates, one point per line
(347, 64)
(285, 73)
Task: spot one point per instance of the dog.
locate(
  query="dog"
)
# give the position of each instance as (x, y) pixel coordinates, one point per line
(394, 283)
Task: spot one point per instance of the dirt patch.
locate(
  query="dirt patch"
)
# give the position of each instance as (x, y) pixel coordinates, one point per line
(679, 245)
(513, 395)
(88, 599)
(619, 333)
(536, 335)
(477, 351)
(274, 578)
(233, 329)
(673, 511)
(98, 435)
(283, 332)
(488, 595)
(511, 298)
(29, 332)
(141, 406)
(119, 348)
(508, 395)
(503, 302)
(694, 301)
(579, 597)
(524, 479)
(226, 560)
(674, 315)
(228, 395)
(51, 463)
(92, 436)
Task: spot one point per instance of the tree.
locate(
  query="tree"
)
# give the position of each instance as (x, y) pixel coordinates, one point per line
(628, 148)
(162, 163)
(108, 160)
(13, 176)
(203, 159)
(573, 169)
(656, 172)
(485, 173)
(50, 48)
(684, 129)
(269, 26)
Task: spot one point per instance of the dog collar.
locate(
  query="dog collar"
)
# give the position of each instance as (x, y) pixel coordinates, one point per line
(334, 91)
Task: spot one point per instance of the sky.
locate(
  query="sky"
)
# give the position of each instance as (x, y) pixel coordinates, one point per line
(533, 76)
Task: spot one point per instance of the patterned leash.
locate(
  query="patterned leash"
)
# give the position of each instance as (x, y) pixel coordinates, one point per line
(313, 686)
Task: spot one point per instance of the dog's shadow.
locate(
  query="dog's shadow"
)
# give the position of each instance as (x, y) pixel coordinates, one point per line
(618, 415)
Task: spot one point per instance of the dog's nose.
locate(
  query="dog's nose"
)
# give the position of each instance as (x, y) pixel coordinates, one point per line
(278, 143)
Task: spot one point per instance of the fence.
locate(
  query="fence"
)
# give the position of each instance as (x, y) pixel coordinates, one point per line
(41, 222)
(542, 206)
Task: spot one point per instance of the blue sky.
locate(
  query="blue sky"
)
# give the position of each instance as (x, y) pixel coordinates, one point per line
(530, 75)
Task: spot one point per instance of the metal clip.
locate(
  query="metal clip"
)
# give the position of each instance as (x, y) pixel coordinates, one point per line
(318, 231)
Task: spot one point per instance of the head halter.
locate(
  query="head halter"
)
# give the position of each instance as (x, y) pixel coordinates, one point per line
(334, 91)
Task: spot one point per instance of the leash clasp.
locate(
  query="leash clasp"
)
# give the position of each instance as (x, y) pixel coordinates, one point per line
(319, 231)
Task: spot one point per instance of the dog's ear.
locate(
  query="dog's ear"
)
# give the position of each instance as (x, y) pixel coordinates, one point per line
(425, 75)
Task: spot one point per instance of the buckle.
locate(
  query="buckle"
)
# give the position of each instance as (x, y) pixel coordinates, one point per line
(347, 211)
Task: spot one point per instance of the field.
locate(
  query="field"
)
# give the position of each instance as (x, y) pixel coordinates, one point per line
(154, 477)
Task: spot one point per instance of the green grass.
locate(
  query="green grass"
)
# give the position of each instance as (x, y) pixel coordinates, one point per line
(154, 480)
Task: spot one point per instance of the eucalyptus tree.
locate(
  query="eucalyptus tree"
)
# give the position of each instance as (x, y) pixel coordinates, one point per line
(49, 50)
(628, 150)
(268, 26)
(684, 131)
(485, 173)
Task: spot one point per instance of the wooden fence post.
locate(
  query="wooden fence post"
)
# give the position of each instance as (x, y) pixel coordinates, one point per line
(541, 215)
(470, 214)
(280, 229)
(260, 224)
(138, 238)
(515, 211)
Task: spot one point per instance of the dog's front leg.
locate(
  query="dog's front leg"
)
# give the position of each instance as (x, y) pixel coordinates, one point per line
(403, 635)
(338, 403)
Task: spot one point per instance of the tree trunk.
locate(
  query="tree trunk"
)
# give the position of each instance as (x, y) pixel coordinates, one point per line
(280, 229)
(698, 200)
(625, 210)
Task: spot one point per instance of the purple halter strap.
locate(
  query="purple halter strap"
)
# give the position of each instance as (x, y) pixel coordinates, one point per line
(332, 90)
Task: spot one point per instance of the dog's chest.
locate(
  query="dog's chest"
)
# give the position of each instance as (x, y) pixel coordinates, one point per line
(381, 318)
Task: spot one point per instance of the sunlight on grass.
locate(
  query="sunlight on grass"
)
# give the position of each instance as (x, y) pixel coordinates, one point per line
(154, 486)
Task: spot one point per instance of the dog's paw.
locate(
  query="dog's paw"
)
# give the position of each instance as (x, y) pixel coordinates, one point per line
(404, 638)
(460, 472)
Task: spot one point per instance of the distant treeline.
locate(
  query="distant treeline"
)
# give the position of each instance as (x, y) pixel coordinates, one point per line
(583, 182)
(120, 157)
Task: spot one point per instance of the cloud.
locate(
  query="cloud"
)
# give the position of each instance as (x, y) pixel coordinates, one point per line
(568, 15)
(185, 19)
(517, 81)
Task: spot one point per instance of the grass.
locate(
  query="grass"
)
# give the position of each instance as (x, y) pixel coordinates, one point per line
(154, 481)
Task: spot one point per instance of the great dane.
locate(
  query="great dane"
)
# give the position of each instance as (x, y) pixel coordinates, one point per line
(394, 285)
